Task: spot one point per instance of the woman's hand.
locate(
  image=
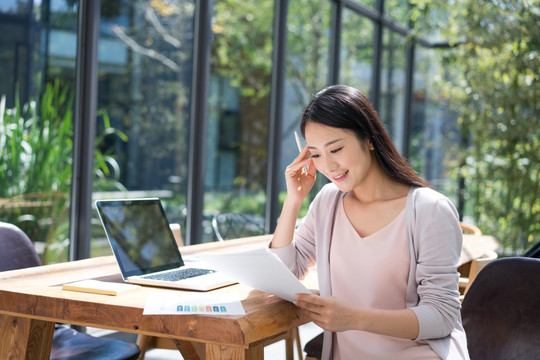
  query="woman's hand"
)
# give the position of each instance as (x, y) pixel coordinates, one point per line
(333, 314)
(300, 176)
(329, 313)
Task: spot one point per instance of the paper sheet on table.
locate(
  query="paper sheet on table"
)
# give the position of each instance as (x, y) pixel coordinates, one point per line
(184, 303)
(260, 269)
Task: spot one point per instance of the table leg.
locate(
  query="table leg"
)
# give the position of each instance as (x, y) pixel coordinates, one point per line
(191, 350)
(221, 352)
(25, 339)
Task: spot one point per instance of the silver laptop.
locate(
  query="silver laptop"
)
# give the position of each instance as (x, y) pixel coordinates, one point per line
(145, 248)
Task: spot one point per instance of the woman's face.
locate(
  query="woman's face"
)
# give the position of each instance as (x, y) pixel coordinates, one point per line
(339, 155)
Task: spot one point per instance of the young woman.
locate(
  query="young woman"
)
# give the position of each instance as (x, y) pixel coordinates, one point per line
(386, 246)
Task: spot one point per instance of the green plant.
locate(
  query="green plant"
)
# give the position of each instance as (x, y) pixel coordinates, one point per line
(106, 167)
(35, 167)
(36, 156)
(496, 89)
(36, 144)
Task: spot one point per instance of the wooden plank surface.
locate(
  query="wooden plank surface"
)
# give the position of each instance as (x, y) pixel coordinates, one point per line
(25, 338)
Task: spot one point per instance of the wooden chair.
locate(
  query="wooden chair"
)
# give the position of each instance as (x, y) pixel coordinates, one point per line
(475, 267)
(470, 228)
(18, 252)
(147, 342)
(177, 233)
(501, 312)
(470, 270)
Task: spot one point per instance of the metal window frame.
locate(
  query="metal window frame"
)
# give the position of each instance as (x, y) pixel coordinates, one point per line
(84, 132)
(198, 121)
(275, 122)
(86, 105)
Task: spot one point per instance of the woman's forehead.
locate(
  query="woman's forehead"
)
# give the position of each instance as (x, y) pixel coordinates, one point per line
(319, 135)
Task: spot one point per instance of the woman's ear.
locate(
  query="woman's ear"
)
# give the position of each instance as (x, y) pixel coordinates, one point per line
(370, 145)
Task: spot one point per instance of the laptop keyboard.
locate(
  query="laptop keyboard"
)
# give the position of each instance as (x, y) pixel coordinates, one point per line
(179, 274)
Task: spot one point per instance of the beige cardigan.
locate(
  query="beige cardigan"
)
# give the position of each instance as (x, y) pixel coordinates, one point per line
(435, 241)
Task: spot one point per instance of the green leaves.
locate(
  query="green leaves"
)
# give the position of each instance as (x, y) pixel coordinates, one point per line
(36, 157)
(497, 92)
(36, 141)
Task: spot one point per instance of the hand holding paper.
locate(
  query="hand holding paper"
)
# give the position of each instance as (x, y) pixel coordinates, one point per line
(260, 269)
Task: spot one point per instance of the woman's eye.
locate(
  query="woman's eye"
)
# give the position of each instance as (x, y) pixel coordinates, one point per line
(336, 150)
(314, 156)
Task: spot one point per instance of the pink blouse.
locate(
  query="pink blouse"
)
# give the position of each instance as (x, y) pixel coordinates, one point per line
(371, 272)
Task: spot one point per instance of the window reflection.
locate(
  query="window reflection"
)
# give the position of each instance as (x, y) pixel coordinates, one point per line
(370, 3)
(356, 68)
(308, 51)
(433, 130)
(236, 143)
(397, 10)
(145, 53)
(37, 67)
(144, 89)
(393, 76)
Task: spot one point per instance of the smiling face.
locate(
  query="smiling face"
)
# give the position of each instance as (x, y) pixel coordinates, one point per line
(339, 155)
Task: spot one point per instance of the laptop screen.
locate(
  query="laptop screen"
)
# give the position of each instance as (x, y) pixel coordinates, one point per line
(139, 235)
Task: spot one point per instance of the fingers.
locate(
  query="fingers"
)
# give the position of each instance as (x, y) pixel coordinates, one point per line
(299, 163)
(313, 307)
(300, 176)
(308, 301)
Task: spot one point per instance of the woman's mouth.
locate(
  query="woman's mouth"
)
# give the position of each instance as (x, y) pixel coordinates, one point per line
(341, 176)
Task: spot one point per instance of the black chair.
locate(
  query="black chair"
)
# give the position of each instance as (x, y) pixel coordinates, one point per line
(18, 252)
(501, 312)
(313, 347)
(533, 251)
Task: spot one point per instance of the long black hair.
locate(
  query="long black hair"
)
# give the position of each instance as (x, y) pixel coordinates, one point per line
(345, 107)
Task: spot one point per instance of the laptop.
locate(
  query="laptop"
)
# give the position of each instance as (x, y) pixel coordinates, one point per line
(145, 249)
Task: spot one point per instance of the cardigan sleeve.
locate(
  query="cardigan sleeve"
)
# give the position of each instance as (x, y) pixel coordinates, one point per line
(438, 240)
(302, 252)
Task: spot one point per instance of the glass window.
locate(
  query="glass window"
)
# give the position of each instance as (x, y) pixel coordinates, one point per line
(37, 67)
(370, 3)
(393, 76)
(239, 104)
(144, 61)
(431, 20)
(20, 7)
(397, 10)
(433, 130)
(308, 49)
(356, 53)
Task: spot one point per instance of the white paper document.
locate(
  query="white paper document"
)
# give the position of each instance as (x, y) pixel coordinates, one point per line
(260, 269)
(185, 303)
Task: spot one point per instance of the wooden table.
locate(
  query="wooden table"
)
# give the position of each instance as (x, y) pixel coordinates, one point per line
(475, 246)
(32, 301)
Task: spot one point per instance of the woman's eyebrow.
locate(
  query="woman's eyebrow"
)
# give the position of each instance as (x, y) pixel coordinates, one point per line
(325, 145)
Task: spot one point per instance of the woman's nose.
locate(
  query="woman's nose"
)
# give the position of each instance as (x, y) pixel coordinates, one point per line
(330, 164)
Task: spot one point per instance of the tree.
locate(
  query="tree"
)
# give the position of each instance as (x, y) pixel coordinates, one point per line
(497, 94)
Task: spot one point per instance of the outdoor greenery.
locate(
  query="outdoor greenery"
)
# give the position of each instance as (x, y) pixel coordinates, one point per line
(491, 90)
(498, 99)
(36, 143)
(36, 146)
(35, 168)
